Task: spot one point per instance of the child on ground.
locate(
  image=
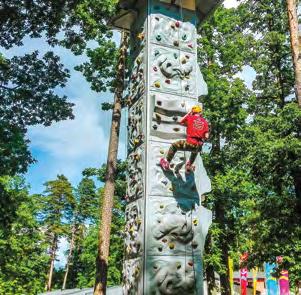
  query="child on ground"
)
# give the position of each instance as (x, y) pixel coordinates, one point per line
(197, 131)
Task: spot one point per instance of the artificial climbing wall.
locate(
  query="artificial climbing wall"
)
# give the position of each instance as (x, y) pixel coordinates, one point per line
(166, 225)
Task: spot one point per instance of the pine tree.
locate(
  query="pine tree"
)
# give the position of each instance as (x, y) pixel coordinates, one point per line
(57, 205)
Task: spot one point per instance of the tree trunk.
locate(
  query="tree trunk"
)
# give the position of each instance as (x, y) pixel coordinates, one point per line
(52, 259)
(108, 196)
(72, 242)
(293, 25)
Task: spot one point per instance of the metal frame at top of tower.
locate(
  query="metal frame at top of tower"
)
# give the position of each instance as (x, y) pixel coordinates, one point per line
(127, 10)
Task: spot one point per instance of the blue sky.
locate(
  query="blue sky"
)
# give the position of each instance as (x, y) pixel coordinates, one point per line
(67, 147)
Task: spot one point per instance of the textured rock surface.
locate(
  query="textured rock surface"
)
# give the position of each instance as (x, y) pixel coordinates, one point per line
(166, 225)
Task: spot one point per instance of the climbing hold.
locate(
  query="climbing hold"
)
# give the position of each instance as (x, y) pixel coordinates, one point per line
(178, 265)
(158, 38)
(155, 127)
(159, 102)
(173, 26)
(161, 206)
(139, 60)
(164, 240)
(195, 222)
(194, 244)
(186, 87)
(171, 189)
(167, 81)
(162, 152)
(160, 249)
(171, 246)
(177, 24)
(183, 104)
(183, 60)
(157, 18)
(155, 69)
(172, 166)
(176, 129)
(175, 118)
(157, 52)
(184, 37)
(140, 36)
(176, 43)
(175, 55)
(136, 141)
(157, 84)
(137, 157)
(190, 45)
(187, 56)
(165, 182)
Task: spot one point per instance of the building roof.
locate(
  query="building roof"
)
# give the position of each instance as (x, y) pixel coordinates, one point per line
(128, 10)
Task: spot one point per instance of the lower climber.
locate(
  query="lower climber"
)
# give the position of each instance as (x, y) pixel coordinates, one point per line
(197, 131)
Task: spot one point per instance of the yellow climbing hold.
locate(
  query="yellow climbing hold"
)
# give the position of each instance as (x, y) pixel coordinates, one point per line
(171, 246)
(162, 152)
(139, 60)
(136, 141)
(195, 222)
(140, 36)
(157, 84)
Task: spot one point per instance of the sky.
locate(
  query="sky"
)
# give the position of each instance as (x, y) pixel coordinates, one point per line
(67, 147)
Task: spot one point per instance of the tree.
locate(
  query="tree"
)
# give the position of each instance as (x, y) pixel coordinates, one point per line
(295, 44)
(267, 147)
(23, 261)
(28, 82)
(106, 215)
(57, 205)
(222, 54)
(85, 211)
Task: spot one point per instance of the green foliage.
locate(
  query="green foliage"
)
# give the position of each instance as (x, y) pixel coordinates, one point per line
(23, 258)
(254, 162)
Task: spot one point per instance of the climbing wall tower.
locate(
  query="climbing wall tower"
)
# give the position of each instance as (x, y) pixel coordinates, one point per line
(166, 224)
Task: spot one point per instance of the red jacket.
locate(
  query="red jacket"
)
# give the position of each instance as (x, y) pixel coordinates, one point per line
(197, 127)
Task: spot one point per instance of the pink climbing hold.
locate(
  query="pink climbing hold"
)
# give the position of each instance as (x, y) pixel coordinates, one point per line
(167, 81)
(177, 24)
(164, 164)
(190, 45)
(155, 69)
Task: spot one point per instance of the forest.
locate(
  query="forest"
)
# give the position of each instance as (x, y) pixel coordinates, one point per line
(254, 162)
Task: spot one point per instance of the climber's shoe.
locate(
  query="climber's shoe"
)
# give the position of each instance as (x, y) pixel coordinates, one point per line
(164, 164)
(189, 167)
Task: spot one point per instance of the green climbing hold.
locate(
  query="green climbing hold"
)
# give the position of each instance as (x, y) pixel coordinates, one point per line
(158, 38)
(184, 37)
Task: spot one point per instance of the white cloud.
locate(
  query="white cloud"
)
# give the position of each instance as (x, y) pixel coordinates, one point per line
(231, 3)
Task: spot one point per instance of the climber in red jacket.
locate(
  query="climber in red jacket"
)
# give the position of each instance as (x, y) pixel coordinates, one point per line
(197, 131)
